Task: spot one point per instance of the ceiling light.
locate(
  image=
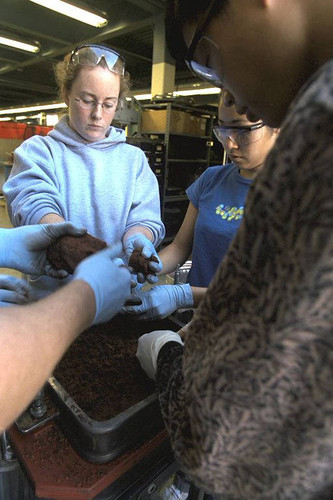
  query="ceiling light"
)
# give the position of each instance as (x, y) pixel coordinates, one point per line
(26, 117)
(99, 20)
(142, 97)
(19, 43)
(28, 109)
(189, 92)
(205, 91)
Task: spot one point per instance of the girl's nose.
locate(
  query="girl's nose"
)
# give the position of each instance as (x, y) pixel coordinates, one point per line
(231, 143)
(97, 110)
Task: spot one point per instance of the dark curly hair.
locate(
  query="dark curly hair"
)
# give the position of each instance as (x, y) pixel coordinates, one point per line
(182, 12)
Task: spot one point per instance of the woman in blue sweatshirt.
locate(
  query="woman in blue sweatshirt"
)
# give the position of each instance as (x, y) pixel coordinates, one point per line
(83, 171)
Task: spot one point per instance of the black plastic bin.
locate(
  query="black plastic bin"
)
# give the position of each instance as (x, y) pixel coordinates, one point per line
(102, 441)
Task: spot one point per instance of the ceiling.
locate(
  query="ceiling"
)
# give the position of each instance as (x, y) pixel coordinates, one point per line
(27, 79)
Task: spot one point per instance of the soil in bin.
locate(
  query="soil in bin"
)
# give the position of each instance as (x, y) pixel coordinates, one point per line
(100, 370)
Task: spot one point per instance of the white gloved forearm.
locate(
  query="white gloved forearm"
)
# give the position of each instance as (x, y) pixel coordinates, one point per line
(149, 346)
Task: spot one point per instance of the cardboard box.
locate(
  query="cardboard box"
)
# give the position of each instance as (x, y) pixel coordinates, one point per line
(197, 125)
(181, 122)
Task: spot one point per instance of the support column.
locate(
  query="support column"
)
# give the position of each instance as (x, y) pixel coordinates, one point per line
(163, 70)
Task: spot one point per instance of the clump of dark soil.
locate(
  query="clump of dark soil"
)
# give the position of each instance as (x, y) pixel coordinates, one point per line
(100, 371)
(68, 251)
(140, 264)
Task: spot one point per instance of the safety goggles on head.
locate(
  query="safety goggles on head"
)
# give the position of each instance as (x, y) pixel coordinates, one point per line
(91, 55)
(203, 49)
(242, 136)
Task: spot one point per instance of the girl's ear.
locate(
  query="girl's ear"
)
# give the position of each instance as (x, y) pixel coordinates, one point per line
(66, 98)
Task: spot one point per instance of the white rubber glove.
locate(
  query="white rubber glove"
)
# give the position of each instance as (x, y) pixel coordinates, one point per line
(109, 279)
(141, 242)
(149, 346)
(162, 300)
(13, 291)
(24, 248)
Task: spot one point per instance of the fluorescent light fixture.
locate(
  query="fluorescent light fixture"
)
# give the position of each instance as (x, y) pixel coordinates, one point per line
(22, 117)
(20, 44)
(189, 92)
(26, 117)
(75, 12)
(138, 97)
(28, 109)
(206, 91)
(142, 97)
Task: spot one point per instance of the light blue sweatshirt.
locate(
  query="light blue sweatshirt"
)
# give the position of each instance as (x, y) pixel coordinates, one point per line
(106, 186)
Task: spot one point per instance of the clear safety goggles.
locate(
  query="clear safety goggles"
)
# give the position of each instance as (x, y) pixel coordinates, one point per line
(203, 49)
(91, 55)
(242, 136)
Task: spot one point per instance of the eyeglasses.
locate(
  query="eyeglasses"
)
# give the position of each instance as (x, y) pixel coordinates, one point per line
(201, 44)
(91, 55)
(91, 104)
(242, 136)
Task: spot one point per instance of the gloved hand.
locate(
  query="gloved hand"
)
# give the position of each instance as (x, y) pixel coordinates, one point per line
(149, 346)
(13, 291)
(109, 278)
(135, 286)
(162, 300)
(24, 248)
(147, 249)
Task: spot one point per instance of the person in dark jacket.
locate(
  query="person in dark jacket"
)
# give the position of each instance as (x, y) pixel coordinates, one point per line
(247, 401)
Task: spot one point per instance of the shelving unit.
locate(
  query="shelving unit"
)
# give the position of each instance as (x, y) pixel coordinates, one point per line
(187, 135)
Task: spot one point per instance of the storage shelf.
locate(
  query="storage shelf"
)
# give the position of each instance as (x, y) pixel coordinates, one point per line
(204, 137)
(188, 140)
(181, 197)
(179, 160)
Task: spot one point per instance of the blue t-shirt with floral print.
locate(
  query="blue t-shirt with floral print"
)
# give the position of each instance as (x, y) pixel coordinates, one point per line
(219, 195)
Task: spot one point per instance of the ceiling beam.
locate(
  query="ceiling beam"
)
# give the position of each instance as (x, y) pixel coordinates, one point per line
(12, 83)
(106, 34)
(152, 6)
(36, 35)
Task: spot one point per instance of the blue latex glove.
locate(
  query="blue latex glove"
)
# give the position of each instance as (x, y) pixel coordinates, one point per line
(13, 291)
(110, 280)
(135, 286)
(149, 346)
(147, 249)
(24, 248)
(161, 300)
